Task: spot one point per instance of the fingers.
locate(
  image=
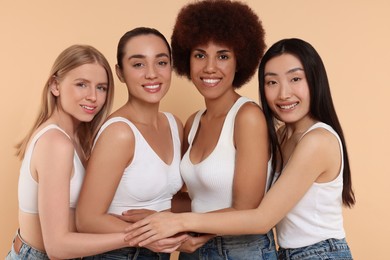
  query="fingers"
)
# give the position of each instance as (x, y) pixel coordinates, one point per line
(168, 245)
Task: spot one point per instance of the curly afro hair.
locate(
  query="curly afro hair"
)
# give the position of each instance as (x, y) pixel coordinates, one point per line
(226, 22)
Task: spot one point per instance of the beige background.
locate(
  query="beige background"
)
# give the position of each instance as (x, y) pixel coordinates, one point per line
(352, 36)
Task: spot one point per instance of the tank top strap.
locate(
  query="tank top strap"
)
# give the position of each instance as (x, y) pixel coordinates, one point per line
(228, 125)
(45, 129)
(195, 126)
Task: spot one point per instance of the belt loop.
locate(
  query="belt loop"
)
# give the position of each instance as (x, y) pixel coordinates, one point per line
(219, 244)
(332, 244)
(270, 236)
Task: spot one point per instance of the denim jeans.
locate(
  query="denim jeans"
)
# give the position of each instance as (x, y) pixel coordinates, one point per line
(326, 249)
(25, 252)
(250, 247)
(131, 253)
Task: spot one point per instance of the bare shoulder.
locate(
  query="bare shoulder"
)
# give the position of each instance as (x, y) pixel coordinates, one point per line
(117, 132)
(319, 142)
(250, 114)
(54, 141)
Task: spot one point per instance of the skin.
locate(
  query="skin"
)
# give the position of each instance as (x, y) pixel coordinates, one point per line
(212, 68)
(147, 74)
(314, 158)
(81, 95)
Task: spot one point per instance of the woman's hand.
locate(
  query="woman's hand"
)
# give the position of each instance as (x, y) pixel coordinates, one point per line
(194, 242)
(168, 245)
(134, 215)
(153, 228)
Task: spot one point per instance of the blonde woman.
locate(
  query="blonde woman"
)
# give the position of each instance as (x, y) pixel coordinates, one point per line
(77, 98)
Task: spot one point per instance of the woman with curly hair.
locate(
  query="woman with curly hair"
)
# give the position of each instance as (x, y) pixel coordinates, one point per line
(218, 46)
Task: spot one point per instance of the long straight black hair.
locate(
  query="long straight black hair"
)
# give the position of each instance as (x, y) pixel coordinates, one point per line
(321, 103)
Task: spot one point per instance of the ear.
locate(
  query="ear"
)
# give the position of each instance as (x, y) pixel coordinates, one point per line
(119, 73)
(54, 88)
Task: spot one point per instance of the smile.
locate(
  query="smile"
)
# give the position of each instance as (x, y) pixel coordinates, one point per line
(152, 86)
(287, 107)
(211, 81)
(87, 107)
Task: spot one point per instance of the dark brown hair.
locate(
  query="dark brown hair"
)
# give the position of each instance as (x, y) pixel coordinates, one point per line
(231, 23)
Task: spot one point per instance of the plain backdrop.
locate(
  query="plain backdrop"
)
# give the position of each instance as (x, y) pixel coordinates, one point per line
(352, 37)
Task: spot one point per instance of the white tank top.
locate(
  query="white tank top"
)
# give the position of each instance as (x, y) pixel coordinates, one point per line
(318, 215)
(28, 187)
(210, 182)
(148, 182)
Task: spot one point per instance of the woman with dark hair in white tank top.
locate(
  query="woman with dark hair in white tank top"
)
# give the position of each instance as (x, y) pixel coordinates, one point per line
(136, 155)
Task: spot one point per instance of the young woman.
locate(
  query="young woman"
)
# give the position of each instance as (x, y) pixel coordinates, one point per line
(77, 98)
(218, 45)
(305, 202)
(135, 160)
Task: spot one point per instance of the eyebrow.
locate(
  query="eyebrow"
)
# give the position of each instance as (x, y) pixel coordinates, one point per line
(141, 56)
(88, 81)
(288, 72)
(220, 51)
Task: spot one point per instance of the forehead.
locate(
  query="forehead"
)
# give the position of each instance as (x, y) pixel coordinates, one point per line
(89, 71)
(143, 44)
(283, 63)
(215, 46)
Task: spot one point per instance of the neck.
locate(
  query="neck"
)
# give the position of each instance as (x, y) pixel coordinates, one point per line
(300, 127)
(221, 106)
(142, 113)
(66, 123)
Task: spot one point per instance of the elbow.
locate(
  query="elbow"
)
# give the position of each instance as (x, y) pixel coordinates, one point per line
(81, 223)
(56, 250)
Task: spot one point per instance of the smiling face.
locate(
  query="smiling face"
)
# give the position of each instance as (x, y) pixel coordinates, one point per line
(82, 92)
(213, 67)
(286, 88)
(146, 68)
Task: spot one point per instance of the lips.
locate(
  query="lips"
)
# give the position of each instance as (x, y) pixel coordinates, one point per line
(152, 88)
(89, 109)
(288, 106)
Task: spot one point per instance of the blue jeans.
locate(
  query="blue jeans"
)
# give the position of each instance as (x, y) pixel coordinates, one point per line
(26, 251)
(131, 253)
(326, 249)
(251, 247)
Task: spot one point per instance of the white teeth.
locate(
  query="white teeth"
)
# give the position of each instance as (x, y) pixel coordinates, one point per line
(289, 106)
(152, 86)
(88, 108)
(211, 81)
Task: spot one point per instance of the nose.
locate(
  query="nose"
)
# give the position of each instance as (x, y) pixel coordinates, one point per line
(210, 66)
(92, 94)
(151, 72)
(284, 91)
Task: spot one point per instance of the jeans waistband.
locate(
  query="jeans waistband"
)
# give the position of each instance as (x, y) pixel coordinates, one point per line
(331, 244)
(222, 242)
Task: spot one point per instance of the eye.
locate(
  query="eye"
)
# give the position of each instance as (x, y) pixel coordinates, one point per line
(199, 55)
(270, 82)
(81, 84)
(102, 88)
(163, 63)
(138, 65)
(223, 57)
(295, 79)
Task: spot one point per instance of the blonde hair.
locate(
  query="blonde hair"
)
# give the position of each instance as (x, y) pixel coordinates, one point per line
(69, 59)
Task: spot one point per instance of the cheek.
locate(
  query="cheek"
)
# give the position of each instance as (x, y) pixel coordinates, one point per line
(270, 95)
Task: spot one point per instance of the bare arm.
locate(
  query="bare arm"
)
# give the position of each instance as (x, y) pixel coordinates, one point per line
(112, 153)
(53, 163)
(312, 159)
